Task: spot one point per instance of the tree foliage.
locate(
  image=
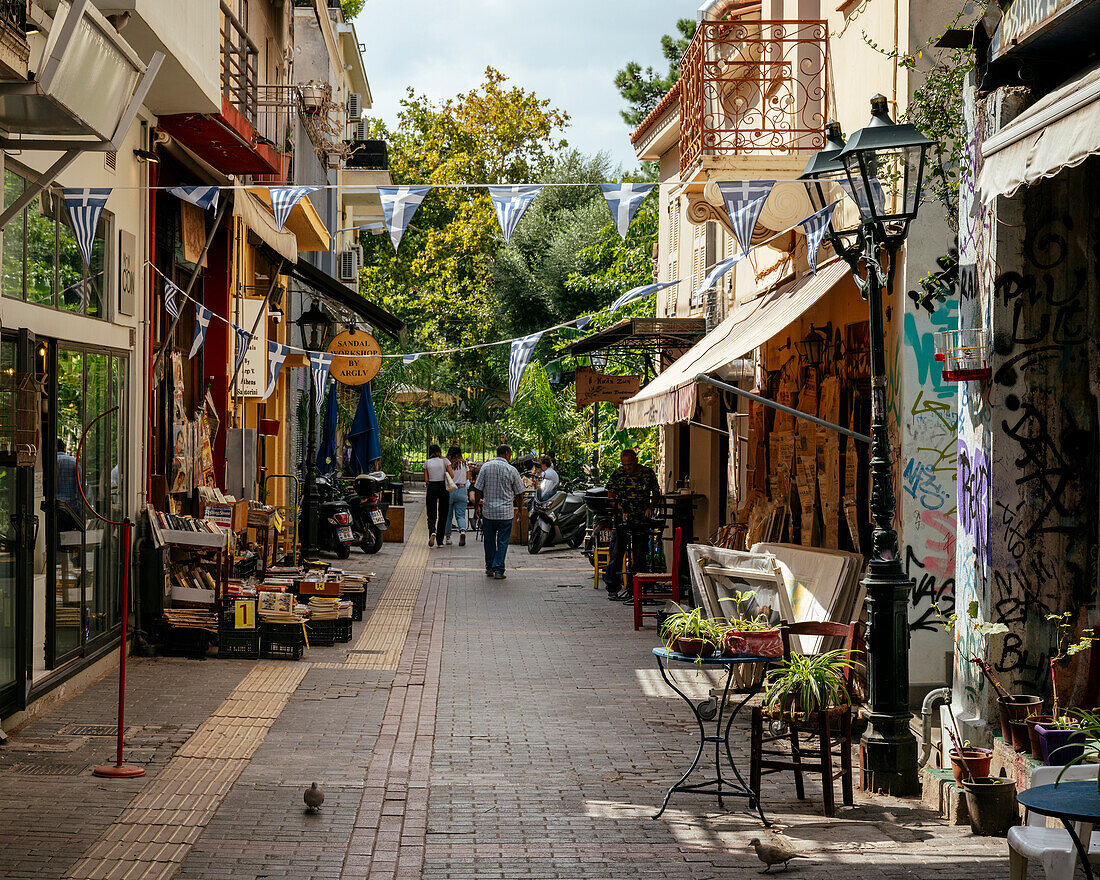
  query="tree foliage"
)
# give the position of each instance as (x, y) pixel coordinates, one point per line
(643, 89)
(352, 8)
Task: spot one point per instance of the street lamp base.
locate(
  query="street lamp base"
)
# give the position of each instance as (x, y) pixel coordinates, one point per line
(888, 758)
(118, 771)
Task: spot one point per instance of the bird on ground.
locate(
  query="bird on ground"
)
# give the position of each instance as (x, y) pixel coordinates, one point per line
(313, 797)
(776, 853)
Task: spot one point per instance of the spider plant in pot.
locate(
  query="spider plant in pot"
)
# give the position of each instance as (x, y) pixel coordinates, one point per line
(804, 686)
(691, 634)
(750, 635)
(1060, 738)
(1088, 723)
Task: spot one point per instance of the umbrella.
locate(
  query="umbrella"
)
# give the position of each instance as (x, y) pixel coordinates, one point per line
(326, 455)
(363, 436)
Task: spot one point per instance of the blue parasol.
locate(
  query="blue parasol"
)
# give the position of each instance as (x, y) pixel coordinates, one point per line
(363, 436)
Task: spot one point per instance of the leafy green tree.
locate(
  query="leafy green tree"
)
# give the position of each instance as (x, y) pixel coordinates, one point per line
(352, 8)
(643, 89)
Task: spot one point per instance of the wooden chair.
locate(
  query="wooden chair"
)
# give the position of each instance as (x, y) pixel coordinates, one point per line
(823, 746)
(670, 581)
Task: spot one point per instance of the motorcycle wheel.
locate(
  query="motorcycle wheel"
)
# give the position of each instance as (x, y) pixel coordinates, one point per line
(372, 541)
(577, 539)
(536, 540)
(343, 551)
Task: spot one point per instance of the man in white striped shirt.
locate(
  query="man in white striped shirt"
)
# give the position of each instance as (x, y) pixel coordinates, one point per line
(498, 484)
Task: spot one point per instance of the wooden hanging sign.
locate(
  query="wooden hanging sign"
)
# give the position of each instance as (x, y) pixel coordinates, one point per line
(356, 357)
(592, 386)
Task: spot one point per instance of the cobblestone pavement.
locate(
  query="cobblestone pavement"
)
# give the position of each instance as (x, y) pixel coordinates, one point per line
(474, 728)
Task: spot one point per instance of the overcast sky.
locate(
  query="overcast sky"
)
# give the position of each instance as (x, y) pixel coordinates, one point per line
(564, 50)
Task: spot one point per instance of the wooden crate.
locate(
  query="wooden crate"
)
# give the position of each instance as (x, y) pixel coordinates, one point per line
(520, 523)
(395, 532)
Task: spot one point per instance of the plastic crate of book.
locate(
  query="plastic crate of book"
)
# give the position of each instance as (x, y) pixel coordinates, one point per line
(187, 642)
(240, 644)
(322, 633)
(343, 629)
(282, 641)
(358, 604)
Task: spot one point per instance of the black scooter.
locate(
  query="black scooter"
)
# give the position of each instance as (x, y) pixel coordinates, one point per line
(334, 531)
(557, 518)
(368, 511)
(601, 527)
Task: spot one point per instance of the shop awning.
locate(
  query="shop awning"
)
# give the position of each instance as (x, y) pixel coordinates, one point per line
(304, 221)
(655, 334)
(1060, 131)
(671, 396)
(329, 288)
(258, 217)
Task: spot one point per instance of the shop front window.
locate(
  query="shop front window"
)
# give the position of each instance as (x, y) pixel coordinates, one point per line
(8, 547)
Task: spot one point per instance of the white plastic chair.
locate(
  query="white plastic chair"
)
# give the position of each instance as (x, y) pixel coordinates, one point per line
(1034, 842)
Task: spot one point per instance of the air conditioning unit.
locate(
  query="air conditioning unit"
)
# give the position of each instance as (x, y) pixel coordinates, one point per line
(355, 107)
(360, 131)
(351, 261)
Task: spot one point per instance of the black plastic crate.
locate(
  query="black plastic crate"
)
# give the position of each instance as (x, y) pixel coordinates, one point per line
(358, 604)
(240, 644)
(343, 629)
(282, 641)
(322, 633)
(187, 642)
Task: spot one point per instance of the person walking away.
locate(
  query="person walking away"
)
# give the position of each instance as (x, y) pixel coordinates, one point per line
(436, 471)
(498, 484)
(550, 478)
(459, 497)
(634, 487)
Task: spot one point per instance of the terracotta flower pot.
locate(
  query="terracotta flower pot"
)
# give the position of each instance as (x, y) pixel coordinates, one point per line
(1033, 737)
(1017, 707)
(737, 643)
(972, 762)
(694, 647)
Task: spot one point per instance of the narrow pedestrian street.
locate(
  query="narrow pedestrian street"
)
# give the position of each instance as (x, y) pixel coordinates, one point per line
(473, 728)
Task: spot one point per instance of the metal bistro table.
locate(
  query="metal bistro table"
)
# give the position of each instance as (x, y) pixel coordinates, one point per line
(1071, 802)
(719, 785)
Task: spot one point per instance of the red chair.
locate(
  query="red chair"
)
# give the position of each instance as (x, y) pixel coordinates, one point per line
(671, 580)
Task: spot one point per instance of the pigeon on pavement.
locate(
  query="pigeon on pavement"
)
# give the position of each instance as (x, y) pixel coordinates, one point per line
(313, 797)
(774, 853)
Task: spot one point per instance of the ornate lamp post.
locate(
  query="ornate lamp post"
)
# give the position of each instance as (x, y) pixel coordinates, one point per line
(882, 169)
(315, 325)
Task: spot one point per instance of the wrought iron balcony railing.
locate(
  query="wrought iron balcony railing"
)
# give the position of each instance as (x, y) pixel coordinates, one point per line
(13, 16)
(751, 87)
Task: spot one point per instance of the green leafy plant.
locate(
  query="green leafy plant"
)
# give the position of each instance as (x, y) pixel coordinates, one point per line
(809, 684)
(1088, 722)
(1065, 648)
(691, 625)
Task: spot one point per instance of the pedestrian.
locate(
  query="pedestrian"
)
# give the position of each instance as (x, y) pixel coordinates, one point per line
(550, 479)
(460, 495)
(498, 484)
(634, 487)
(436, 471)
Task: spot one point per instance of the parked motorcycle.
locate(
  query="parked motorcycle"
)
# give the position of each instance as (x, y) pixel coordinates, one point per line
(601, 524)
(556, 516)
(368, 511)
(334, 531)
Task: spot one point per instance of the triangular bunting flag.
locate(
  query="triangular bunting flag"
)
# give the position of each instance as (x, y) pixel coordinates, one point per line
(877, 194)
(717, 272)
(815, 226)
(518, 359)
(639, 292)
(320, 362)
(510, 203)
(624, 199)
(205, 197)
(284, 198)
(744, 201)
(170, 303)
(202, 321)
(276, 355)
(244, 339)
(407, 359)
(582, 323)
(399, 203)
(84, 207)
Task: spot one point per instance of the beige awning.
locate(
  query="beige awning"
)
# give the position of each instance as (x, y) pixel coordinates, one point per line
(258, 217)
(1060, 131)
(671, 396)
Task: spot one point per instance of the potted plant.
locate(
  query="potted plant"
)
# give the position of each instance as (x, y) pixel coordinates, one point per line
(804, 686)
(969, 762)
(750, 635)
(991, 803)
(691, 634)
(1061, 739)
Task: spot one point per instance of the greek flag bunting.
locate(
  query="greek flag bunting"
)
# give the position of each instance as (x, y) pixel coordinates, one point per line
(638, 292)
(320, 362)
(744, 201)
(284, 198)
(276, 355)
(407, 359)
(84, 207)
(205, 197)
(860, 199)
(717, 272)
(399, 203)
(171, 305)
(518, 359)
(582, 323)
(624, 199)
(510, 203)
(815, 227)
(202, 321)
(244, 339)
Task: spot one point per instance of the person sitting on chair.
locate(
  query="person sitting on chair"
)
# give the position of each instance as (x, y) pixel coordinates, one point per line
(634, 487)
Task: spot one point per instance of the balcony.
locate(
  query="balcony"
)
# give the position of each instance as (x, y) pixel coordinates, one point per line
(14, 48)
(752, 87)
(367, 156)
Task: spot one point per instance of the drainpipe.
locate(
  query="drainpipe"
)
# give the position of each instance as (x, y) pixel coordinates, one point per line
(931, 701)
(705, 10)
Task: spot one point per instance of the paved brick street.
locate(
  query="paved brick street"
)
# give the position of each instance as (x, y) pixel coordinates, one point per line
(473, 728)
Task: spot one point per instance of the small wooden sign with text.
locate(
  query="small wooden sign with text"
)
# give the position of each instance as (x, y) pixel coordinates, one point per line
(357, 357)
(593, 386)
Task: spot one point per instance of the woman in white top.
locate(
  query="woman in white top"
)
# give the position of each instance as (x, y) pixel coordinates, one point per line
(436, 470)
(460, 497)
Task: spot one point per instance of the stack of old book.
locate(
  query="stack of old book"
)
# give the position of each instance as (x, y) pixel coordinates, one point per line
(324, 608)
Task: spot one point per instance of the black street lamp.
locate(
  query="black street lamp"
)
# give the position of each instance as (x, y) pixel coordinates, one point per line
(315, 325)
(882, 169)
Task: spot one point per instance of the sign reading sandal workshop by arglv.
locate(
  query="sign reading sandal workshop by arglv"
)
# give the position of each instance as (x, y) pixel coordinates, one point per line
(356, 357)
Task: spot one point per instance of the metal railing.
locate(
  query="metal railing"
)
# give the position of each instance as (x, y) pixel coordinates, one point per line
(753, 86)
(13, 16)
(239, 61)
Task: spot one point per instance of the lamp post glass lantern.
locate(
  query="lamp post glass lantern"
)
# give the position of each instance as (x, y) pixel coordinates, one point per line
(315, 325)
(881, 168)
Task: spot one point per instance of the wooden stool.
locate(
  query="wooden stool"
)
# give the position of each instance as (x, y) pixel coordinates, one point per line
(601, 556)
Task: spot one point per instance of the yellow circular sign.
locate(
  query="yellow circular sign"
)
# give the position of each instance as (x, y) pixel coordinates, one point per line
(356, 357)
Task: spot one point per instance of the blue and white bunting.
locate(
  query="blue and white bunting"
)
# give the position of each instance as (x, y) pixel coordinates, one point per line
(510, 202)
(276, 355)
(85, 207)
(407, 359)
(624, 199)
(717, 272)
(171, 305)
(518, 359)
(205, 197)
(582, 323)
(815, 226)
(399, 203)
(744, 201)
(202, 322)
(244, 339)
(638, 292)
(877, 193)
(284, 198)
(320, 363)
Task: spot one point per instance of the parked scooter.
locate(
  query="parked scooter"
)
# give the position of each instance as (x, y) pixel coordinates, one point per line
(557, 516)
(368, 511)
(334, 532)
(601, 526)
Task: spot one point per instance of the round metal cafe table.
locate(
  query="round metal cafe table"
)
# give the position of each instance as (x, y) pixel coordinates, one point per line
(1071, 802)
